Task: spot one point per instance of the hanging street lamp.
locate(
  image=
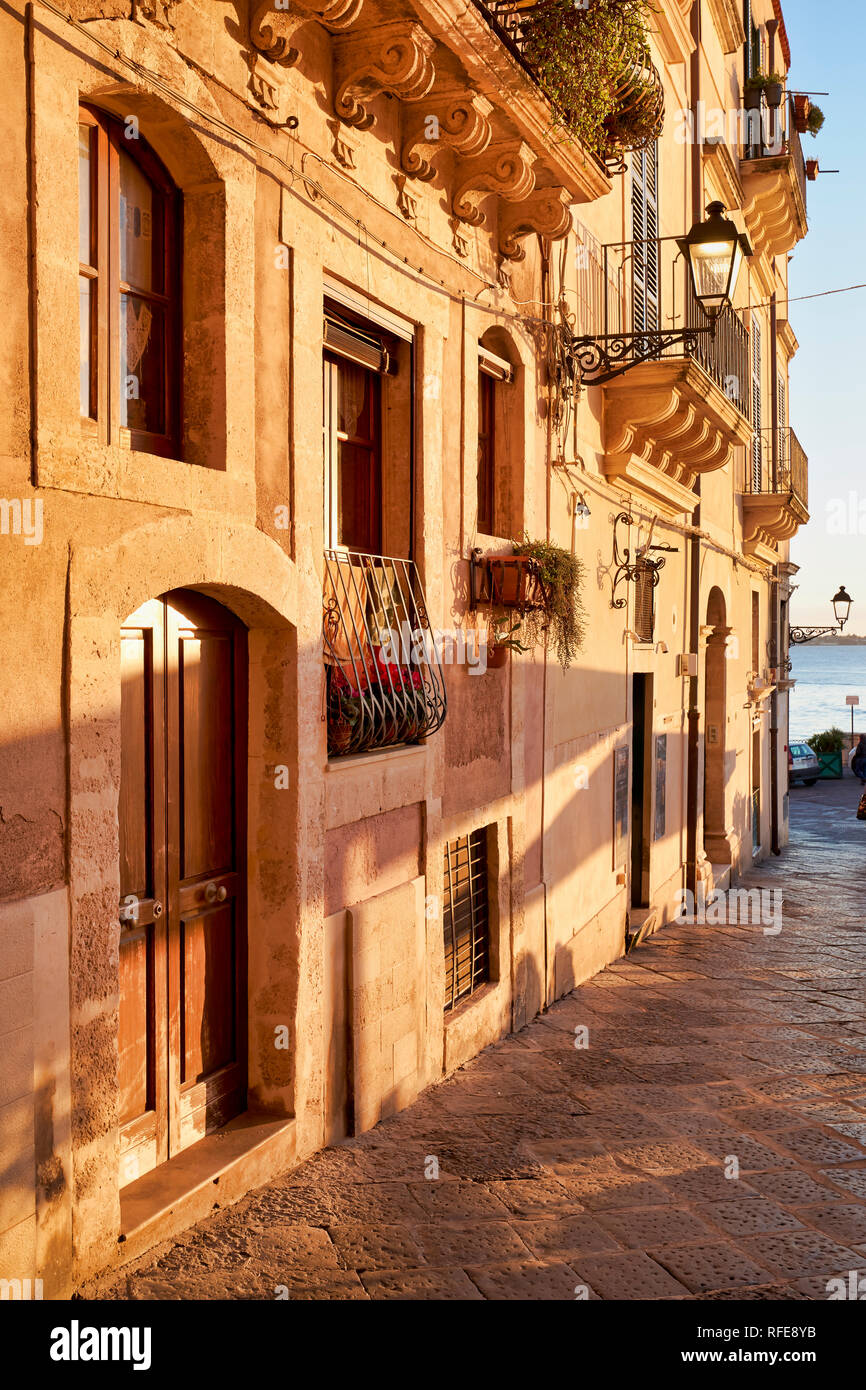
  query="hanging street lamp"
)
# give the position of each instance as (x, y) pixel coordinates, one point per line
(714, 252)
(841, 607)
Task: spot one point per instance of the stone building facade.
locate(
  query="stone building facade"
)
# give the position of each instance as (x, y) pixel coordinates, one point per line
(259, 883)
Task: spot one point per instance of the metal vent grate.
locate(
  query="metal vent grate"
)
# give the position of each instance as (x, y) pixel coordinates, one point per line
(465, 917)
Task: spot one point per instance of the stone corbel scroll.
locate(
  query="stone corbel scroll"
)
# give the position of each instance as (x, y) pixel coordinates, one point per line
(273, 26)
(456, 120)
(394, 59)
(505, 168)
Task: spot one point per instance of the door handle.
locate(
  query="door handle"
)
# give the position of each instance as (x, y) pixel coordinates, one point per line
(215, 895)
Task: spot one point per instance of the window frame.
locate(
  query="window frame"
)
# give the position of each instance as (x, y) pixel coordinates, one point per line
(105, 326)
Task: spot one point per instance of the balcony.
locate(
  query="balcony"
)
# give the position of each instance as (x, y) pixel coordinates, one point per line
(682, 412)
(776, 499)
(773, 175)
(640, 85)
(384, 682)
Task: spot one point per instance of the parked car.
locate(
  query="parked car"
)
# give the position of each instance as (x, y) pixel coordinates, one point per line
(803, 765)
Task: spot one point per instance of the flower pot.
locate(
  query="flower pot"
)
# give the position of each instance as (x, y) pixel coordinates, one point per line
(773, 93)
(752, 98)
(802, 107)
(514, 582)
(339, 736)
(497, 656)
(811, 170)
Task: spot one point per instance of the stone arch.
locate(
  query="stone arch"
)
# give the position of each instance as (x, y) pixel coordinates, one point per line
(717, 839)
(251, 576)
(203, 169)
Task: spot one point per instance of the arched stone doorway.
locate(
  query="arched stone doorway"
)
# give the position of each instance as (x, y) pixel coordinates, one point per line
(717, 839)
(182, 1016)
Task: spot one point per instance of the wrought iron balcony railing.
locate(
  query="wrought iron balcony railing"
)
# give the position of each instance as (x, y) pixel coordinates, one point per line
(383, 668)
(645, 287)
(640, 84)
(769, 133)
(779, 466)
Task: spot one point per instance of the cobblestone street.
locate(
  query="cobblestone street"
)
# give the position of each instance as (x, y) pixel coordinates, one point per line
(713, 1049)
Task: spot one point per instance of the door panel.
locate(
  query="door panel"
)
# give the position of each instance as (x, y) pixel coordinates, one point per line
(182, 1026)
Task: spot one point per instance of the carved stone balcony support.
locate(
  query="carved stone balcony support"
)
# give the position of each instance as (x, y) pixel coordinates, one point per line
(394, 59)
(545, 211)
(272, 30)
(505, 168)
(455, 119)
(664, 422)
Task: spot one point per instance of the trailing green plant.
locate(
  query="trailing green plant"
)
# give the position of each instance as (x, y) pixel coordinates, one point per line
(815, 120)
(830, 741)
(757, 80)
(504, 633)
(562, 619)
(589, 63)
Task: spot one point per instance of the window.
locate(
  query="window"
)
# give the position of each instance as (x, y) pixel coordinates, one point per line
(756, 632)
(497, 512)
(645, 232)
(358, 360)
(486, 452)
(757, 404)
(465, 917)
(644, 601)
(129, 288)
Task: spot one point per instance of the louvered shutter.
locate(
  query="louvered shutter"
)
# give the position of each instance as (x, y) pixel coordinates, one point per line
(465, 917)
(783, 450)
(644, 602)
(645, 231)
(757, 422)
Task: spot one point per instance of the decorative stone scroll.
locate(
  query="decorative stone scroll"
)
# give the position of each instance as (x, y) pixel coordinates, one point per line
(160, 12)
(505, 168)
(457, 119)
(546, 211)
(394, 59)
(273, 27)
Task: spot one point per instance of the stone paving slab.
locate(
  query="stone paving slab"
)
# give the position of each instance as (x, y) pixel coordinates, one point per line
(709, 1143)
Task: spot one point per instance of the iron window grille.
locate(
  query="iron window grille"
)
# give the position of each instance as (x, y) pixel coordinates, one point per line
(384, 677)
(465, 917)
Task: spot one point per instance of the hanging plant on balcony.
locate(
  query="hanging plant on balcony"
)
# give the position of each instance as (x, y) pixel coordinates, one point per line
(561, 618)
(595, 67)
(814, 120)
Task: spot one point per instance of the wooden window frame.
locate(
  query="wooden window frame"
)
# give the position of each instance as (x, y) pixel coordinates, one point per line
(104, 422)
(485, 516)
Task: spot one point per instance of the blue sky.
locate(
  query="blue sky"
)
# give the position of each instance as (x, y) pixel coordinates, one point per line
(828, 390)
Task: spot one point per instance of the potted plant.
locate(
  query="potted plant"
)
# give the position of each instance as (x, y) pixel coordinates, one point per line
(752, 90)
(513, 581)
(344, 712)
(594, 65)
(503, 637)
(802, 107)
(560, 618)
(828, 745)
(815, 120)
(773, 88)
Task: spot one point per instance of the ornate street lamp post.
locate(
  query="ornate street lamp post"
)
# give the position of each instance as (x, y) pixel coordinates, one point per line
(841, 607)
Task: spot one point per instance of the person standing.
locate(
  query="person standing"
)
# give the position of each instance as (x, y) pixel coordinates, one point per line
(858, 762)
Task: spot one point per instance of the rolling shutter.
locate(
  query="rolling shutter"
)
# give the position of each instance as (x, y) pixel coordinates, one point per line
(465, 917)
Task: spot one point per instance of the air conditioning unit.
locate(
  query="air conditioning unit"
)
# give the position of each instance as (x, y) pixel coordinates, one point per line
(687, 663)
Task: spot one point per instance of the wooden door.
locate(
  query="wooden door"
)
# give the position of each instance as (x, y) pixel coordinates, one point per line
(182, 1023)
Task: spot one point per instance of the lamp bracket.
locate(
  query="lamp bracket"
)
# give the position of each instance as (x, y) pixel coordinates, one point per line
(629, 569)
(596, 360)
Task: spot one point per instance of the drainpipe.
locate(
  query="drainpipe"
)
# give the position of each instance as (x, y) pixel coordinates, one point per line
(547, 310)
(774, 590)
(694, 550)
